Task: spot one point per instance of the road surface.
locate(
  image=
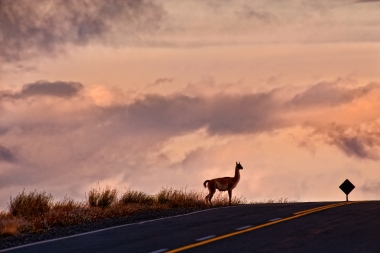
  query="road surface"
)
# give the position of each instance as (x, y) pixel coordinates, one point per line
(289, 227)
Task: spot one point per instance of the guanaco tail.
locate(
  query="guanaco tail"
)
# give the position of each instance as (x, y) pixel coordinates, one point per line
(223, 184)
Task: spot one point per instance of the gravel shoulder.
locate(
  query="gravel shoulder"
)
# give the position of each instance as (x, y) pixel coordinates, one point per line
(26, 238)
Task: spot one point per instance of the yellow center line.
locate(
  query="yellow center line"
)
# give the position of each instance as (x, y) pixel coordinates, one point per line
(296, 215)
(322, 207)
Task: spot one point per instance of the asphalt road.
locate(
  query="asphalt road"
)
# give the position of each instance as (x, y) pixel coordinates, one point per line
(353, 227)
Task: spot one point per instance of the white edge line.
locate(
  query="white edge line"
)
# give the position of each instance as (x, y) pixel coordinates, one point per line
(158, 251)
(105, 229)
(205, 238)
(241, 228)
(275, 219)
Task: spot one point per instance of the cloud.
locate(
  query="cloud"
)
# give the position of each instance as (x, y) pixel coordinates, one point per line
(6, 155)
(58, 89)
(222, 114)
(247, 12)
(330, 94)
(219, 114)
(208, 86)
(158, 82)
(367, 1)
(163, 80)
(45, 88)
(165, 116)
(77, 138)
(48, 28)
(360, 142)
(372, 187)
(28, 28)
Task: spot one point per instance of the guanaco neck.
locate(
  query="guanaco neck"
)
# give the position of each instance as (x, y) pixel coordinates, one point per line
(237, 174)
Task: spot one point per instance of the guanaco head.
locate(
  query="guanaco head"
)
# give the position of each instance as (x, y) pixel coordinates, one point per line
(238, 166)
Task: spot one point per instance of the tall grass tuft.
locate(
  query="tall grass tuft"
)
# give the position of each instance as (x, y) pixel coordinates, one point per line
(102, 198)
(30, 204)
(136, 197)
(180, 198)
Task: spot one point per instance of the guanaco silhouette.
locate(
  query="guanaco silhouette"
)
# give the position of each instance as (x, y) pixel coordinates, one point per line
(223, 184)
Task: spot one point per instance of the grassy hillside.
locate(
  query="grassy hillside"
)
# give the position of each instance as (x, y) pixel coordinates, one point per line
(36, 211)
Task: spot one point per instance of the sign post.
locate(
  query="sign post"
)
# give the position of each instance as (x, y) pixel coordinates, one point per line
(347, 187)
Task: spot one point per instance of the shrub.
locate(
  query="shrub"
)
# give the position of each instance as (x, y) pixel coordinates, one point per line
(137, 197)
(103, 199)
(31, 204)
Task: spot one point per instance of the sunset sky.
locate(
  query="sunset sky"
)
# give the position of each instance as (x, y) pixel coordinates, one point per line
(151, 94)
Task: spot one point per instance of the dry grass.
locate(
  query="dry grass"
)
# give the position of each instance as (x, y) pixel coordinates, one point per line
(102, 198)
(36, 211)
(30, 204)
(180, 198)
(271, 201)
(9, 227)
(137, 197)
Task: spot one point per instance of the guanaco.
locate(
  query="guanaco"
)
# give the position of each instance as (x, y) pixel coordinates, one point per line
(223, 184)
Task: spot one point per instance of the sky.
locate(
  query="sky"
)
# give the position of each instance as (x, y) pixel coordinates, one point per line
(143, 95)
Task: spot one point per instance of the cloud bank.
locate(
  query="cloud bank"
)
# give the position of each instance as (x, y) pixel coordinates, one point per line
(46, 27)
(60, 128)
(219, 114)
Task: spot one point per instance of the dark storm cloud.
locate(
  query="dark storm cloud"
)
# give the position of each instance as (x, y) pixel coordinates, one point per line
(30, 27)
(6, 155)
(45, 88)
(329, 94)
